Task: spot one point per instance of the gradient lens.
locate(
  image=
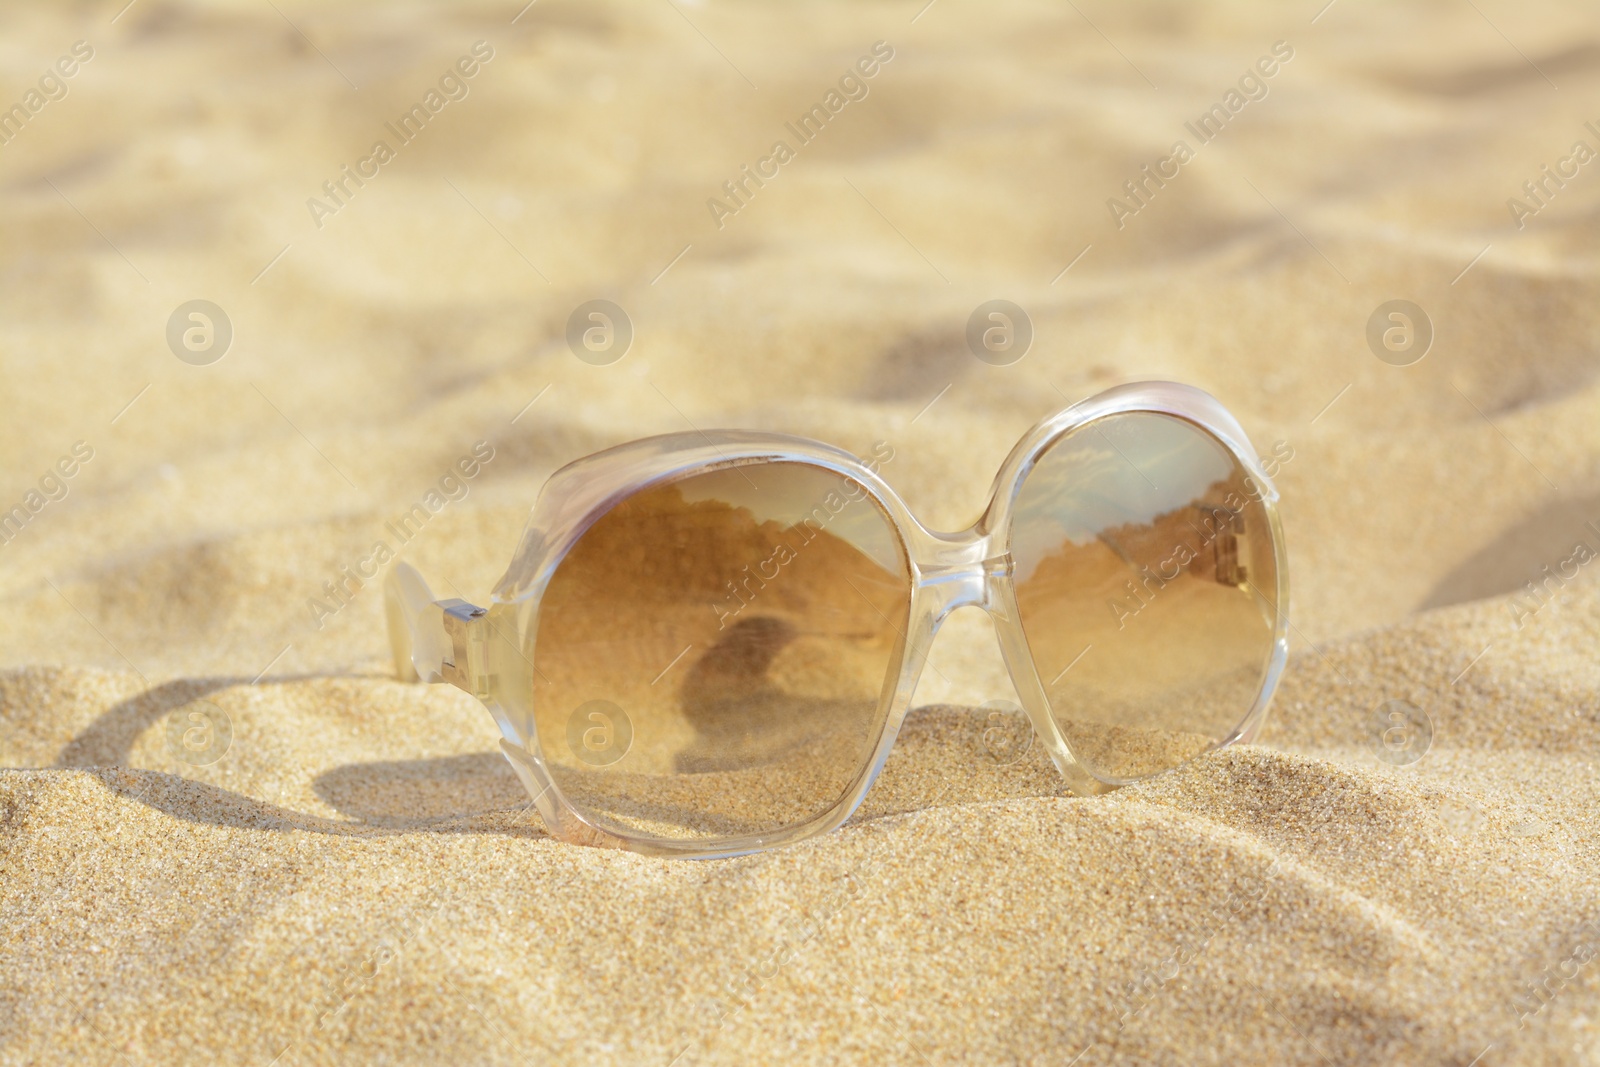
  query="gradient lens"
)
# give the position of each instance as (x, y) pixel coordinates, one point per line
(1147, 586)
(711, 655)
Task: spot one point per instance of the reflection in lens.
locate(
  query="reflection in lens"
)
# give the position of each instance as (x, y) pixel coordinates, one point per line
(1147, 588)
(742, 623)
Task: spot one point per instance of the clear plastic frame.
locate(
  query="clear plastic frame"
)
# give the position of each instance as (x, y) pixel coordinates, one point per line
(494, 653)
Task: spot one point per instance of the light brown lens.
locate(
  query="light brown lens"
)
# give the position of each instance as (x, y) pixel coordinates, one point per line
(1147, 587)
(711, 654)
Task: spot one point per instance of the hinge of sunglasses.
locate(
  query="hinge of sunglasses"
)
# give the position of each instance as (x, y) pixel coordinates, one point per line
(465, 624)
(436, 640)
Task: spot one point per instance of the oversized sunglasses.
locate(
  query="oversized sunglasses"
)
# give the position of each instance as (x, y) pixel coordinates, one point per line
(707, 643)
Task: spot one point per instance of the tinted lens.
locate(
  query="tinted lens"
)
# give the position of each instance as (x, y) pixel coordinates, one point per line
(711, 654)
(1147, 587)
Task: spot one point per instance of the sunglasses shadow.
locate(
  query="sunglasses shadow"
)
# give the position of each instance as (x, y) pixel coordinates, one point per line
(944, 756)
(474, 793)
(453, 794)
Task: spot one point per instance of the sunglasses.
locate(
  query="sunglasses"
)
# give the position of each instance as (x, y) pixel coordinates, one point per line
(707, 643)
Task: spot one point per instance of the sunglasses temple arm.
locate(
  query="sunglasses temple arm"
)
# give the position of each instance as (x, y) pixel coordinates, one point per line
(432, 640)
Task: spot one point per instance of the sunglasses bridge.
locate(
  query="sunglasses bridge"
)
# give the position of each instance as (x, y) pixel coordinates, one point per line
(961, 574)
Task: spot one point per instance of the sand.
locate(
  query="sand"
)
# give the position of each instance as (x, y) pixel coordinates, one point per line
(355, 876)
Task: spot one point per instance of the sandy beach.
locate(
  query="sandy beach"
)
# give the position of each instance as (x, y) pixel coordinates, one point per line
(385, 217)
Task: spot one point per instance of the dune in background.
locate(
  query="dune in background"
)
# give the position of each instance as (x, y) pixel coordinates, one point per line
(228, 835)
